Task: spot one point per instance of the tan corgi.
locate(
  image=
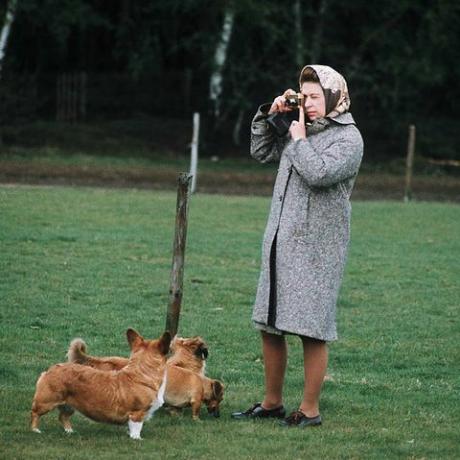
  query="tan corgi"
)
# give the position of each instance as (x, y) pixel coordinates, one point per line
(186, 388)
(189, 353)
(130, 395)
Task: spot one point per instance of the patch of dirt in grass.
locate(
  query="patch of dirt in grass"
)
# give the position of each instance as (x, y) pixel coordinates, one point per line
(369, 186)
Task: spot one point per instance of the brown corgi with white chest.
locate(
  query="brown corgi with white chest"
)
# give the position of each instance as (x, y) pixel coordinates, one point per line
(130, 395)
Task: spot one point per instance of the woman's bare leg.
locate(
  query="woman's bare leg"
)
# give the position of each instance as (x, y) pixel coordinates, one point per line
(275, 359)
(315, 354)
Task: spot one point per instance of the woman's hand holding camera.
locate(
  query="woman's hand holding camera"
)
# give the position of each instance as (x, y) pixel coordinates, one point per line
(297, 128)
(279, 103)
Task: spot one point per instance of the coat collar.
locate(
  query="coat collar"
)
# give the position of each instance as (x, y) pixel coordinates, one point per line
(344, 119)
(320, 124)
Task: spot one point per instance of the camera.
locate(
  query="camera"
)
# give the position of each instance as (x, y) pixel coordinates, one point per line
(280, 122)
(294, 100)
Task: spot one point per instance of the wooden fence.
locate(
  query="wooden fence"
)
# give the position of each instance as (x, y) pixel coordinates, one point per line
(71, 96)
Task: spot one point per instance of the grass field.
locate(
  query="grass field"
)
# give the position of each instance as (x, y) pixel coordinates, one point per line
(93, 262)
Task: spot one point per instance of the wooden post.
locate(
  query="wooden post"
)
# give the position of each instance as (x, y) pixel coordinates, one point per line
(409, 163)
(177, 271)
(194, 149)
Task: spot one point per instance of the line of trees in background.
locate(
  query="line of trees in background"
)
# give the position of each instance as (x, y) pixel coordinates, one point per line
(224, 58)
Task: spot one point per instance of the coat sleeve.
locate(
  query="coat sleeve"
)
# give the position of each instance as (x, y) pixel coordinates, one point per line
(336, 162)
(265, 145)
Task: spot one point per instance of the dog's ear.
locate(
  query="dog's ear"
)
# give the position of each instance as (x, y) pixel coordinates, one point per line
(134, 338)
(165, 342)
(172, 345)
(217, 389)
(202, 352)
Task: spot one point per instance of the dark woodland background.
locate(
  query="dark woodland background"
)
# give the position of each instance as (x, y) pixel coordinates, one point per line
(152, 60)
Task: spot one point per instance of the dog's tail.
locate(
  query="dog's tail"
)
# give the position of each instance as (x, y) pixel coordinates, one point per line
(77, 352)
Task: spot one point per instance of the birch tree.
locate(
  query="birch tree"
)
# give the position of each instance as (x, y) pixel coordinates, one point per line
(9, 18)
(220, 56)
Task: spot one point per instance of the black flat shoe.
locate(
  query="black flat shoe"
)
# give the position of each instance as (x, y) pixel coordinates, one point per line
(298, 418)
(257, 411)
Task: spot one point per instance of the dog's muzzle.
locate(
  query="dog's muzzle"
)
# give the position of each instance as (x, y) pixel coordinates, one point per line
(214, 412)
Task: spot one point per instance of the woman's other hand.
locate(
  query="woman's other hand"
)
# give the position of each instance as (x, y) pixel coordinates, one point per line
(279, 103)
(298, 129)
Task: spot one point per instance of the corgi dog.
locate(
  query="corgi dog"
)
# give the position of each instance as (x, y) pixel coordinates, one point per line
(188, 353)
(130, 395)
(185, 388)
(186, 384)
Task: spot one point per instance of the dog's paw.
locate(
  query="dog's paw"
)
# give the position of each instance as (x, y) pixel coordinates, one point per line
(174, 411)
(68, 430)
(36, 430)
(135, 429)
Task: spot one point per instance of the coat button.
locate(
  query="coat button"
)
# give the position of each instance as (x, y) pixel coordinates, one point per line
(281, 197)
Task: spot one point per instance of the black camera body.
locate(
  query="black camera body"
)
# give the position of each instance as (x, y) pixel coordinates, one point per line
(280, 122)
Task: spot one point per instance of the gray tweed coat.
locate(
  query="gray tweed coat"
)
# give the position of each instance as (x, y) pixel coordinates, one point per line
(306, 238)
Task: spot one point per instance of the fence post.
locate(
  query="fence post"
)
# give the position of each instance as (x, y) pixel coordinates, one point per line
(177, 271)
(194, 149)
(409, 163)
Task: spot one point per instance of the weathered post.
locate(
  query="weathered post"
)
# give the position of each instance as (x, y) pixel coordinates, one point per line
(177, 271)
(409, 163)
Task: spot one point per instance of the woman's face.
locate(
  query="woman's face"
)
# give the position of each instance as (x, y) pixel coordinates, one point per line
(314, 101)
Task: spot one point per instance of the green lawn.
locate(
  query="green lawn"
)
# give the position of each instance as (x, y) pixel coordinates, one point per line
(93, 262)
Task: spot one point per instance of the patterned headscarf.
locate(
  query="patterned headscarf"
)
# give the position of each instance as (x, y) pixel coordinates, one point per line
(334, 87)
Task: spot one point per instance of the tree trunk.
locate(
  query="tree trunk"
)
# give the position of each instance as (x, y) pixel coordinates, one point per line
(220, 55)
(9, 18)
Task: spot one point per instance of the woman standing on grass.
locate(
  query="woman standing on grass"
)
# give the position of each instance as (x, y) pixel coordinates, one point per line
(306, 238)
